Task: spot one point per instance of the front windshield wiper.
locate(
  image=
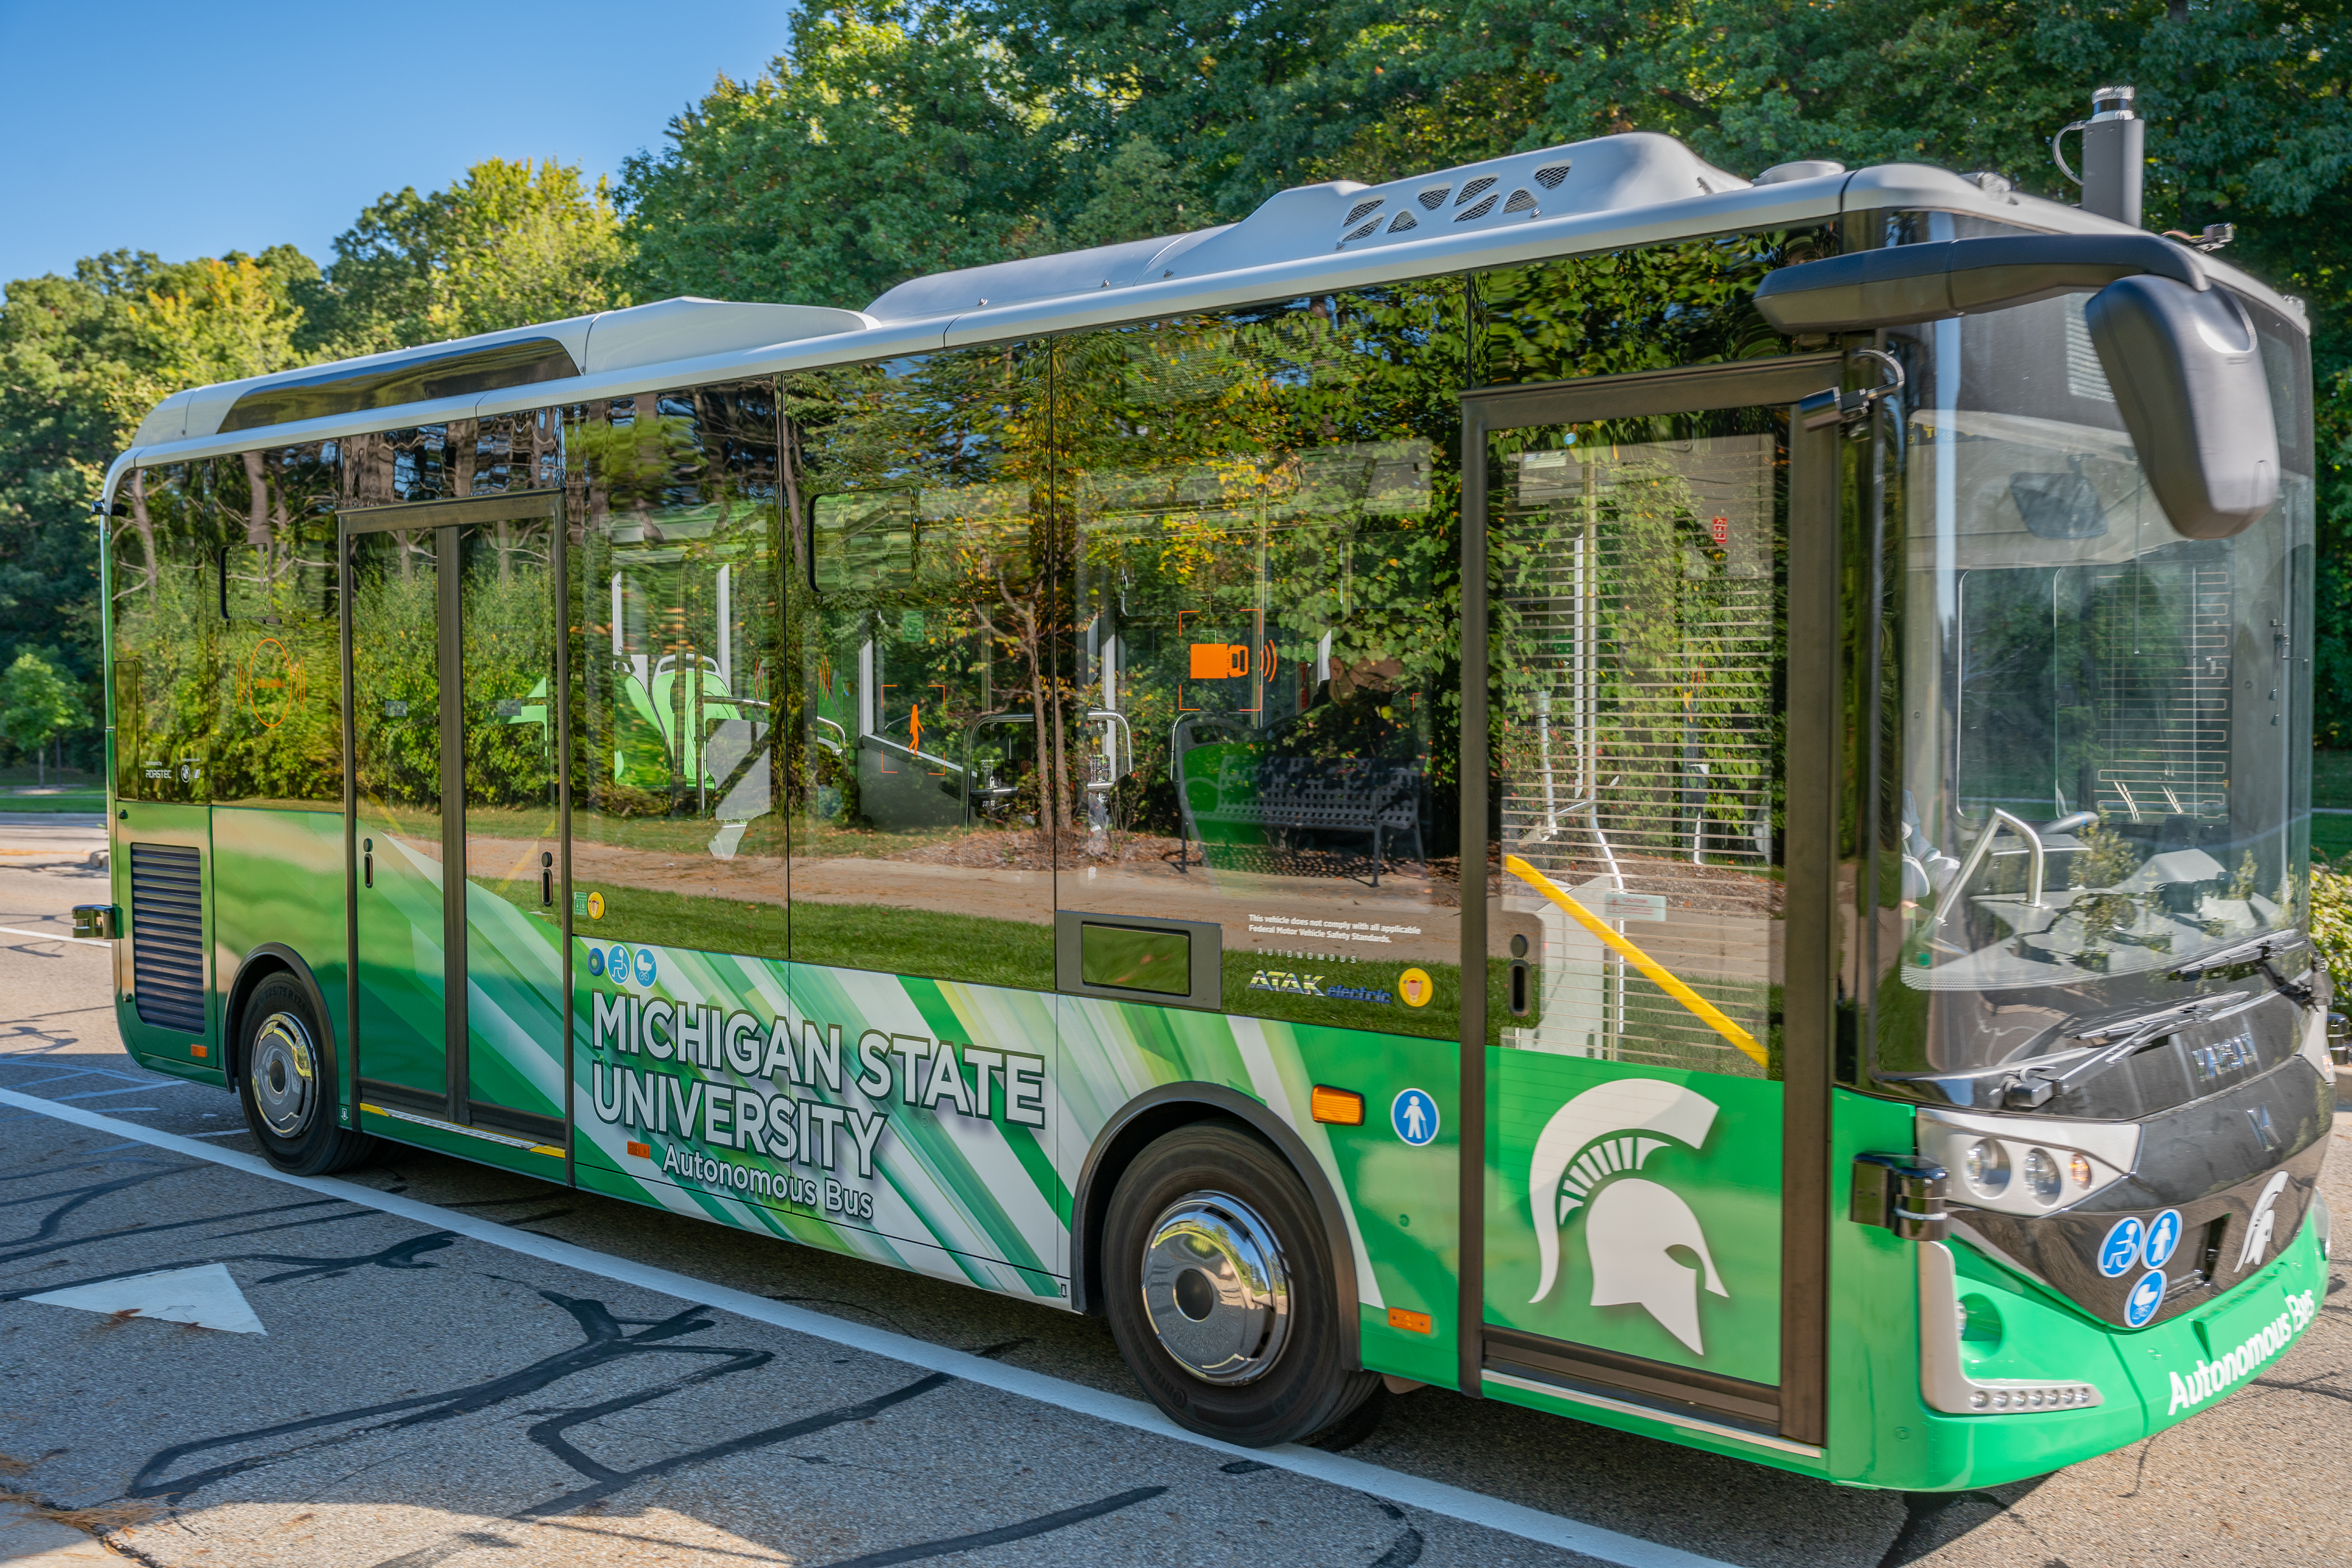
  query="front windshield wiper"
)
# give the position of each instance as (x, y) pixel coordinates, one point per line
(2258, 954)
(2036, 1086)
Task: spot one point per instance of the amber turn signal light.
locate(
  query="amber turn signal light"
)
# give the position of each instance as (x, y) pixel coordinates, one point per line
(1341, 1107)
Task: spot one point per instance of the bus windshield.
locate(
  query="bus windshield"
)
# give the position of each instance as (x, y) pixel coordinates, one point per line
(2104, 773)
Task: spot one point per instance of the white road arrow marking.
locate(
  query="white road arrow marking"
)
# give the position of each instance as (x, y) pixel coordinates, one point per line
(206, 1297)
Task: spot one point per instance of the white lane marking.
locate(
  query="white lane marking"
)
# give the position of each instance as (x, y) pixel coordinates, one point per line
(1413, 1491)
(55, 936)
(205, 1296)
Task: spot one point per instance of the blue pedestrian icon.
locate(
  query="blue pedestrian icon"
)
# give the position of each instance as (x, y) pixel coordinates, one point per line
(2120, 1250)
(645, 966)
(2146, 1296)
(2163, 1238)
(1414, 1117)
(596, 962)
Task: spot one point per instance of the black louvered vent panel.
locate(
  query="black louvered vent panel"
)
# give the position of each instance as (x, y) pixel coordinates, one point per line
(1551, 175)
(1520, 201)
(167, 936)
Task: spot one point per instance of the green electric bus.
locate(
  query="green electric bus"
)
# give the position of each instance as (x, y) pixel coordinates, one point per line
(1676, 799)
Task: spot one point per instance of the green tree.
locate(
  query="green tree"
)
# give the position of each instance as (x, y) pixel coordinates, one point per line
(1139, 192)
(510, 244)
(36, 706)
(63, 347)
(82, 359)
(208, 320)
(888, 141)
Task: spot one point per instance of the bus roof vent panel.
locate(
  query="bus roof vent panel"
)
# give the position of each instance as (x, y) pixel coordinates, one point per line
(1034, 278)
(1610, 174)
(1802, 169)
(667, 332)
(687, 327)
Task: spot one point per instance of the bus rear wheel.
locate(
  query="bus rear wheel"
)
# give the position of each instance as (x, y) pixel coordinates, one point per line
(285, 1085)
(1221, 1292)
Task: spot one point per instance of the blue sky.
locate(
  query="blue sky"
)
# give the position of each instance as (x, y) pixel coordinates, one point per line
(194, 129)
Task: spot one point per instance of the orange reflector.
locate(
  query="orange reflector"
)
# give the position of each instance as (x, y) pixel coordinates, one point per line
(1344, 1107)
(1410, 1322)
(200, 1052)
(642, 1151)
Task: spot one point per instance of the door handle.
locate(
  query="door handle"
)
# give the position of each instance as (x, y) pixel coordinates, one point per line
(547, 877)
(367, 862)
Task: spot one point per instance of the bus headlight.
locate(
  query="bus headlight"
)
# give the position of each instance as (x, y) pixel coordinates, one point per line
(2026, 1164)
(1986, 1167)
(2042, 1175)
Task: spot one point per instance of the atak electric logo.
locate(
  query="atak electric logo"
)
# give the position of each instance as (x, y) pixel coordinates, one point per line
(1295, 983)
(1630, 1223)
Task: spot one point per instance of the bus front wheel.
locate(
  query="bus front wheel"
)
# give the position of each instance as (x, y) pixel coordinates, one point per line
(1221, 1292)
(286, 1088)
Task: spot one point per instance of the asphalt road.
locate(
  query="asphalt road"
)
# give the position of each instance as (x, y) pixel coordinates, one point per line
(422, 1395)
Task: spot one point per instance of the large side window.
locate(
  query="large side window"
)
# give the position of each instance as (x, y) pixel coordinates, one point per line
(447, 462)
(932, 649)
(278, 738)
(676, 656)
(164, 578)
(1653, 308)
(1257, 739)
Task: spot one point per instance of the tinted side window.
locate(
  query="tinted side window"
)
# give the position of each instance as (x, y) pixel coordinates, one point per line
(164, 580)
(441, 462)
(1265, 681)
(930, 645)
(279, 736)
(672, 502)
(1669, 305)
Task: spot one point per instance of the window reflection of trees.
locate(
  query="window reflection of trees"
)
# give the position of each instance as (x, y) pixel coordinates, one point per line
(1265, 482)
(676, 591)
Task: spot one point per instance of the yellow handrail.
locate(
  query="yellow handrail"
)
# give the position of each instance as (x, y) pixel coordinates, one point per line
(1706, 1011)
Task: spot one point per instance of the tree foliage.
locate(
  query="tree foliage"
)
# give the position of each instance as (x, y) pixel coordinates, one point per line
(83, 359)
(36, 705)
(895, 137)
(511, 243)
(886, 141)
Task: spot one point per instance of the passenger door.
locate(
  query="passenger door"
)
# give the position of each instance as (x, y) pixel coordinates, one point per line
(457, 979)
(1656, 1084)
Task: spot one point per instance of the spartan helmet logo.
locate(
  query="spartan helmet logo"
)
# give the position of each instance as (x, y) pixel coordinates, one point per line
(1632, 1222)
(2260, 1223)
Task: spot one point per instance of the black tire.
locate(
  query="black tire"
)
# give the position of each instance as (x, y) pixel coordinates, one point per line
(1200, 1191)
(285, 1081)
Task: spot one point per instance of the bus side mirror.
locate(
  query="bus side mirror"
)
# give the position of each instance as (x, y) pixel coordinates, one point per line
(2187, 369)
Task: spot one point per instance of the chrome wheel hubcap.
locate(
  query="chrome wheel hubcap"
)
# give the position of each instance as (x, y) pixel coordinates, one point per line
(1215, 1289)
(285, 1075)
